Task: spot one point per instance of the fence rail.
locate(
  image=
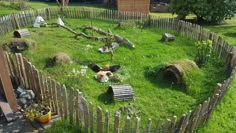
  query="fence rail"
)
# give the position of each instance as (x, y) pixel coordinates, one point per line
(71, 105)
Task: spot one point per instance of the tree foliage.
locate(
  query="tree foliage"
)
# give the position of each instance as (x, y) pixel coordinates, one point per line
(209, 10)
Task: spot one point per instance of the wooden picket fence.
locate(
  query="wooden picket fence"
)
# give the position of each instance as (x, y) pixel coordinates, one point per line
(70, 103)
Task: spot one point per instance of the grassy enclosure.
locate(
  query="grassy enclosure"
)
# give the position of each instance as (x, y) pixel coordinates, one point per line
(154, 97)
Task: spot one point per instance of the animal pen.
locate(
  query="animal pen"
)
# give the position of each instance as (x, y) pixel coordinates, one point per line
(70, 103)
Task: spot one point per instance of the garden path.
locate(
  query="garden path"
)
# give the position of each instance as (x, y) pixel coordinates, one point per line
(20, 125)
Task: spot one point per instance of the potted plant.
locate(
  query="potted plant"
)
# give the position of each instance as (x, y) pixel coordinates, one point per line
(40, 110)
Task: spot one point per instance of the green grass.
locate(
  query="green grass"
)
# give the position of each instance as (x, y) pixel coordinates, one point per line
(154, 97)
(7, 8)
(228, 30)
(224, 117)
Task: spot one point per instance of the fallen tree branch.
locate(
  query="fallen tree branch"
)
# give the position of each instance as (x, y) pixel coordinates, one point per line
(117, 38)
(79, 33)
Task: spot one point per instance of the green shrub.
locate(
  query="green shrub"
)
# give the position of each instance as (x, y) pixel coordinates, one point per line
(193, 80)
(204, 51)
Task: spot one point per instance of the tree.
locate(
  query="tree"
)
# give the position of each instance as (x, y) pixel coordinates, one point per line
(62, 3)
(214, 11)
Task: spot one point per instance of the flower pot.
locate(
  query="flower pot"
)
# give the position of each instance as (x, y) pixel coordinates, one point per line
(45, 118)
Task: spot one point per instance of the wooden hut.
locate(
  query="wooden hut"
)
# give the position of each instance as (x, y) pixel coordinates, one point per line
(134, 5)
(121, 92)
(21, 33)
(177, 70)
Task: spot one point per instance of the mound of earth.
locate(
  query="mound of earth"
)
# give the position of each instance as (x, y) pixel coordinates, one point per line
(19, 44)
(62, 58)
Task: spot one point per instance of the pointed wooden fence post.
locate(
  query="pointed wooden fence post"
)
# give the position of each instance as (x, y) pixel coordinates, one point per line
(148, 126)
(64, 95)
(127, 125)
(172, 126)
(86, 114)
(91, 117)
(137, 124)
(99, 120)
(107, 120)
(71, 105)
(117, 123)
(158, 127)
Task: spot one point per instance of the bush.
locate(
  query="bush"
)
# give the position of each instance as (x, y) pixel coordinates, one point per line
(204, 51)
(214, 11)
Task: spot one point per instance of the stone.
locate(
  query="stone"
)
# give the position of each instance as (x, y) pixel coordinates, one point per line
(28, 94)
(22, 102)
(167, 37)
(62, 58)
(18, 91)
(105, 49)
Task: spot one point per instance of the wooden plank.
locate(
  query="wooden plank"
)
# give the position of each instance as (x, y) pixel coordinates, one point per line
(27, 73)
(107, 121)
(91, 117)
(38, 84)
(49, 88)
(172, 125)
(218, 88)
(59, 99)
(99, 120)
(77, 107)
(181, 123)
(31, 76)
(65, 105)
(127, 125)
(19, 70)
(185, 123)
(6, 109)
(212, 105)
(158, 127)
(71, 105)
(10, 67)
(194, 118)
(36, 81)
(117, 123)
(6, 82)
(167, 126)
(137, 125)
(148, 126)
(55, 99)
(41, 80)
(86, 114)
